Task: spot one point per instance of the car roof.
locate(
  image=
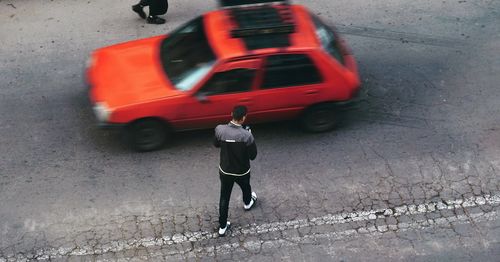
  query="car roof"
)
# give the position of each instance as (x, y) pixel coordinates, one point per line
(223, 30)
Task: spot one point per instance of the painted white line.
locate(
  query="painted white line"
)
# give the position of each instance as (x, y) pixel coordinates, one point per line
(254, 229)
(255, 246)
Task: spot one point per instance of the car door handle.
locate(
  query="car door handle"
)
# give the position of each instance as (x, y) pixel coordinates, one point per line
(245, 100)
(311, 92)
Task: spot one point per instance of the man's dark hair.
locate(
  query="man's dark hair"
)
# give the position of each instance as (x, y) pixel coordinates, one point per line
(239, 112)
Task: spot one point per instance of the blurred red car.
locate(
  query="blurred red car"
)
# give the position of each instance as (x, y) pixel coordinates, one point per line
(278, 59)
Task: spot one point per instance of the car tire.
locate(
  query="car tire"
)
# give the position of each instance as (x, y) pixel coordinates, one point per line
(320, 118)
(147, 134)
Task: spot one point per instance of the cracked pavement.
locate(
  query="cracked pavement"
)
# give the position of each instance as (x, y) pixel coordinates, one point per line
(412, 175)
(171, 236)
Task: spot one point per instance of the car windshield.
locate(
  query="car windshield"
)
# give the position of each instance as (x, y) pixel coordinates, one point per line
(186, 55)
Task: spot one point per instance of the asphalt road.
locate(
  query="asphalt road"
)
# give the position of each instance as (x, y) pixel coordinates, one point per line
(412, 175)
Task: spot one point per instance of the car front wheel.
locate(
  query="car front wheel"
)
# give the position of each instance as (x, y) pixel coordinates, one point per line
(319, 118)
(147, 134)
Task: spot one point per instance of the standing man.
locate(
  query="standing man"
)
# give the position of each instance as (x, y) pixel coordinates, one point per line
(237, 148)
(156, 8)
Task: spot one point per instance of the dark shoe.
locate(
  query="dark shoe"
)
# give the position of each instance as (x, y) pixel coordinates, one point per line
(222, 231)
(138, 9)
(155, 20)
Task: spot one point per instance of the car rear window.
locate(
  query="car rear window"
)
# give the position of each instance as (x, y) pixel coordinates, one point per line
(186, 55)
(328, 39)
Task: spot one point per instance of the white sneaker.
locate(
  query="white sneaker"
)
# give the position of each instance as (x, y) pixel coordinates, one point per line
(252, 202)
(222, 231)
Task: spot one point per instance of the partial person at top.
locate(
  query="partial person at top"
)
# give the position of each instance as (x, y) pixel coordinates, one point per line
(156, 8)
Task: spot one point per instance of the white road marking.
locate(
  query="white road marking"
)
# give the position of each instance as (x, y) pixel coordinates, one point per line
(255, 246)
(330, 219)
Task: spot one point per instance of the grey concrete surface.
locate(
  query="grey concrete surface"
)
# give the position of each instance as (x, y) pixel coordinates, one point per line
(413, 175)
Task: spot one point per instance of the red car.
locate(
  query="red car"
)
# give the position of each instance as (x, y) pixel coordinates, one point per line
(278, 59)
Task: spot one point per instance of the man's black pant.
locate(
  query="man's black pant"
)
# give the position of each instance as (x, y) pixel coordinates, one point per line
(227, 182)
(156, 7)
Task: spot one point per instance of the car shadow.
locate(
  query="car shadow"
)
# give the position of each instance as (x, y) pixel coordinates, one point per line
(264, 131)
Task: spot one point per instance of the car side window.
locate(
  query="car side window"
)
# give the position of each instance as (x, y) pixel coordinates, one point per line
(290, 70)
(232, 81)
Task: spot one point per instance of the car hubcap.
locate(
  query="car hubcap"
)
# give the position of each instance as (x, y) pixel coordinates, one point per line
(148, 136)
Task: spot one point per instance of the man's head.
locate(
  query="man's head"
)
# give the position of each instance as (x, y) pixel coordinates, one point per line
(239, 114)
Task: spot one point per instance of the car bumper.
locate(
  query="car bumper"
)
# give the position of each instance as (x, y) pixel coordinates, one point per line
(104, 124)
(101, 124)
(110, 126)
(351, 103)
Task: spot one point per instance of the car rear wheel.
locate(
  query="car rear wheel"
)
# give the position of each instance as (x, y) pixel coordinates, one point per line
(148, 134)
(319, 118)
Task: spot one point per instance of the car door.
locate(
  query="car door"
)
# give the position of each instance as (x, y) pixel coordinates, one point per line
(290, 82)
(212, 103)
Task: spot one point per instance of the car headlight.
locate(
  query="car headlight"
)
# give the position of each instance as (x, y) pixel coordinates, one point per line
(102, 111)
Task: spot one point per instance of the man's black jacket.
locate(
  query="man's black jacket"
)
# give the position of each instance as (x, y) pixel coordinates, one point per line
(237, 148)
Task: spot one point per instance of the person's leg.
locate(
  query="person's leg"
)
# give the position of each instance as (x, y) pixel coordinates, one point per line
(156, 8)
(246, 188)
(138, 8)
(159, 7)
(225, 194)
